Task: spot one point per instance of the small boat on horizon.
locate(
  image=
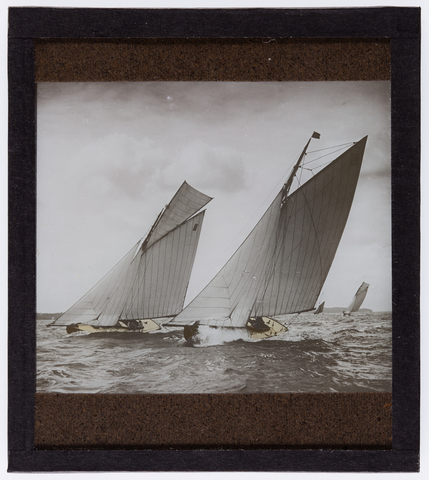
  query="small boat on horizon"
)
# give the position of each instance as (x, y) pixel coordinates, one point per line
(357, 300)
(319, 309)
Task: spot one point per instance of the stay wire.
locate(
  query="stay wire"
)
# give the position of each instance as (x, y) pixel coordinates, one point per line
(293, 319)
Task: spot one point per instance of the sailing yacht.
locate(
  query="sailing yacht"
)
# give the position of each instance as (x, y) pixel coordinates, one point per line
(281, 266)
(320, 308)
(148, 286)
(357, 300)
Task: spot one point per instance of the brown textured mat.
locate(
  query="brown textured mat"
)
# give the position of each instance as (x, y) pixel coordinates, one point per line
(357, 420)
(196, 421)
(212, 60)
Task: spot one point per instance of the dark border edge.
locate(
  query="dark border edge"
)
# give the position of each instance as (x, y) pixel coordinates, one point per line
(215, 461)
(51, 22)
(22, 216)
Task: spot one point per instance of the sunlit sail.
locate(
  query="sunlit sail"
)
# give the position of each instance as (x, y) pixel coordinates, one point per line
(281, 266)
(151, 281)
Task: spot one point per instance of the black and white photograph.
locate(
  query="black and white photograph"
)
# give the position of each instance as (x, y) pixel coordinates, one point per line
(214, 237)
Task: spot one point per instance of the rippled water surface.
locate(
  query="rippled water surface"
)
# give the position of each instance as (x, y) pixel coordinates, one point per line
(319, 353)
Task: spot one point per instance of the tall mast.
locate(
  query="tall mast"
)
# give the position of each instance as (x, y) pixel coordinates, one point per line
(158, 218)
(288, 184)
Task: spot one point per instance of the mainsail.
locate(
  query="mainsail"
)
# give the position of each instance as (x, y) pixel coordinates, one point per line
(282, 265)
(319, 309)
(152, 279)
(357, 299)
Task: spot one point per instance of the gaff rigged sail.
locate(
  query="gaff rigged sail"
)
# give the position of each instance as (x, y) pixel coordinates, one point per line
(282, 265)
(152, 279)
(357, 299)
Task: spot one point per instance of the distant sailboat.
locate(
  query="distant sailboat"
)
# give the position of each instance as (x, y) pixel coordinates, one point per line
(282, 265)
(319, 309)
(150, 282)
(357, 299)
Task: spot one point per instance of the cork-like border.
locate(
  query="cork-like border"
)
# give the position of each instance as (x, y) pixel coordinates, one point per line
(402, 27)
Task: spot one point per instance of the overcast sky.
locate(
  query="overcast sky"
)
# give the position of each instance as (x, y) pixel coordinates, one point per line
(111, 155)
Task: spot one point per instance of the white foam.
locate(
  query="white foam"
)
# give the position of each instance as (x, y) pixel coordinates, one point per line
(208, 336)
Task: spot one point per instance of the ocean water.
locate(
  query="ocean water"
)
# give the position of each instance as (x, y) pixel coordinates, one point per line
(319, 353)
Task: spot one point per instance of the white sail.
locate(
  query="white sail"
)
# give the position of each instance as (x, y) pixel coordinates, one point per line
(281, 266)
(152, 279)
(228, 299)
(185, 203)
(357, 299)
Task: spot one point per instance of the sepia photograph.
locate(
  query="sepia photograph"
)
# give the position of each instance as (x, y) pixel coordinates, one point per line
(214, 237)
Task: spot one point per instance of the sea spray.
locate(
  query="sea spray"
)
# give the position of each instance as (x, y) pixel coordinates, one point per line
(208, 336)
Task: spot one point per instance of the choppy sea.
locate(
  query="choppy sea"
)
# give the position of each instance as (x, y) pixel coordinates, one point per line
(319, 353)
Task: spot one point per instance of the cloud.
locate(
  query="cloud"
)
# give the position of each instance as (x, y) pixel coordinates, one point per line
(111, 155)
(215, 168)
(119, 165)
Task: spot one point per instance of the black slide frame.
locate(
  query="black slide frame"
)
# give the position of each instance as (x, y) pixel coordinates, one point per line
(402, 26)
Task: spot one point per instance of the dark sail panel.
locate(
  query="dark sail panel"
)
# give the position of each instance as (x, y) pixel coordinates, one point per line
(311, 224)
(319, 309)
(184, 204)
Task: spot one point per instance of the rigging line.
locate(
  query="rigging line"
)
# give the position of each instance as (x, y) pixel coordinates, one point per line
(274, 189)
(323, 156)
(243, 228)
(300, 175)
(293, 319)
(318, 166)
(334, 146)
